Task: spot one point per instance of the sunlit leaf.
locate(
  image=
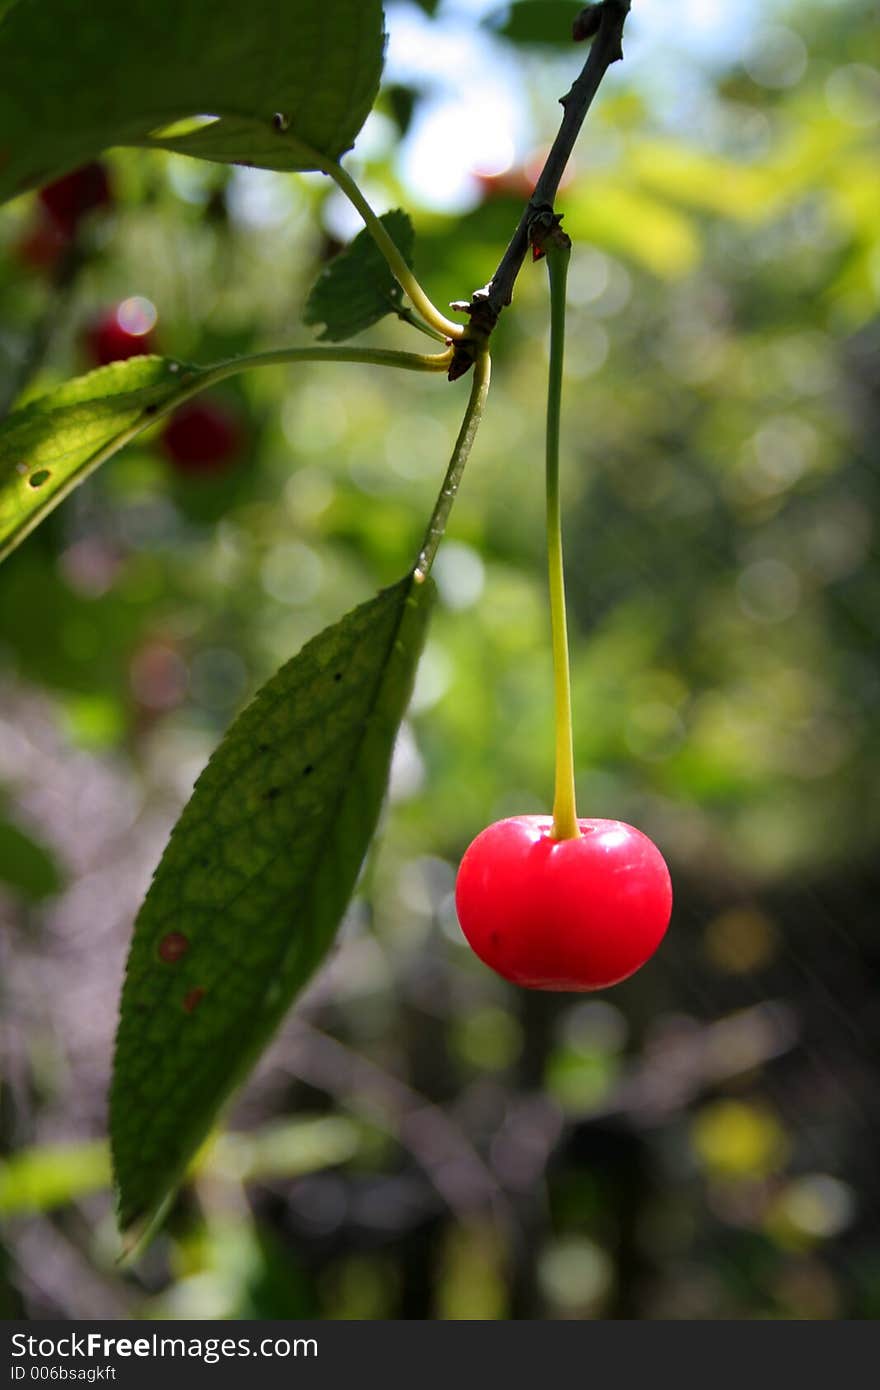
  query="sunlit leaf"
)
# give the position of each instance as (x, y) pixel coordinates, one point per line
(44, 1178)
(736, 1139)
(651, 233)
(40, 1179)
(284, 1149)
(702, 180)
(52, 444)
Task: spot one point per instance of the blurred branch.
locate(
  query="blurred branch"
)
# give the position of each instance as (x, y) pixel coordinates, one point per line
(447, 1156)
(606, 20)
(59, 1278)
(679, 1069)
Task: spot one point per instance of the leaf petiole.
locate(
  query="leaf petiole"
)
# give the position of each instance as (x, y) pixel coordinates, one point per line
(374, 357)
(399, 268)
(408, 315)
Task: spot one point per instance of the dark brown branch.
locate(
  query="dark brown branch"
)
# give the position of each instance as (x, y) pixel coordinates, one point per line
(487, 303)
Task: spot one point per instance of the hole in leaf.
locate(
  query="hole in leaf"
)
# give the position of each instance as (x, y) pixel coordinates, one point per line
(271, 794)
(308, 769)
(41, 476)
(337, 676)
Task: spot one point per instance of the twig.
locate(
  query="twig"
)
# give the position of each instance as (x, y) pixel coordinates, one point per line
(486, 304)
(460, 454)
(441, 1148)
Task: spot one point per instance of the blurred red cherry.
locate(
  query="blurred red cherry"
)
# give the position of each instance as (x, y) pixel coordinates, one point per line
(69, 198)
(510, 183)
(124, 331)
(41, 245)
(202, 437)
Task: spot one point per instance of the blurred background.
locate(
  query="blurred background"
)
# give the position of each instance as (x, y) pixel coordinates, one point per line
(423, 1141)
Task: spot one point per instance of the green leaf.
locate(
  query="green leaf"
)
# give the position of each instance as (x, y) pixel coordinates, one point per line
(249, 893)
(41, 1179)
(705, 181)
(537, 21)
(284, 1149)
(75, 79)
(629, 222)
(26, 865)
(357, 288)
(53, 443)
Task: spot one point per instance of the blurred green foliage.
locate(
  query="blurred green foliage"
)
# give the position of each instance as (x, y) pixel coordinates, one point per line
(697, 1144)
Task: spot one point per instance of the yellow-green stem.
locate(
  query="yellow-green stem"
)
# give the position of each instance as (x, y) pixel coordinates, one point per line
(399, 268)
(565, 826)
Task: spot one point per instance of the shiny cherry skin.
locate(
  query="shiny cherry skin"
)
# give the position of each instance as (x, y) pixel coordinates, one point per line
(577, 914)
(202, 437)
(71, 197)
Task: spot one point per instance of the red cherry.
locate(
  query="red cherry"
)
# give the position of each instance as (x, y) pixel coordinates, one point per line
(574, 914)
(202, 437)
(69, 198)
(124, 331)
(41, 245)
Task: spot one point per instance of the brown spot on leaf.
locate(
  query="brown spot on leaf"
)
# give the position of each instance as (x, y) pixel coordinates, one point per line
(193, 999)
(173, 946)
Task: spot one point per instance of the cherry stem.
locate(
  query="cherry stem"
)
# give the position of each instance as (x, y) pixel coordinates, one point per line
(460, 453)
(398, 266)
(565, 826)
